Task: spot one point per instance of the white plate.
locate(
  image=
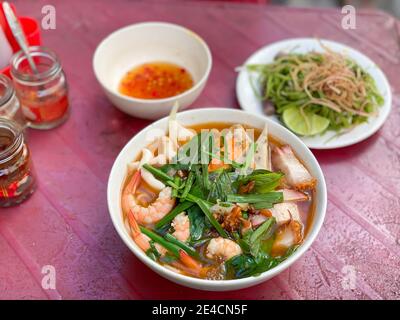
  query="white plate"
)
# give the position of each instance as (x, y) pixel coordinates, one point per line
(249, 102)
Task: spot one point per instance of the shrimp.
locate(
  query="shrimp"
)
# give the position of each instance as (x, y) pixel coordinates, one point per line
(185, 263)
(155, 211)
(222, 248)
(181, 226)
(128, 194)
(141, 239)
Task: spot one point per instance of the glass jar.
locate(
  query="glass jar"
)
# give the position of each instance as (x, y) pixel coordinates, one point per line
(43, 94)
(9, 104)
(17, 179)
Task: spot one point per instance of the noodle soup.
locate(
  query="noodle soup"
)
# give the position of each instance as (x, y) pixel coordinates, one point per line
(217, 201)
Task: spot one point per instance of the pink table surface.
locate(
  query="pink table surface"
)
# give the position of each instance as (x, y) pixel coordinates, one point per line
(66, 223)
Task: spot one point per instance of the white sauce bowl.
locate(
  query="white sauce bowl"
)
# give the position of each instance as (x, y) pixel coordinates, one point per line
(200, 116)
(146, 42)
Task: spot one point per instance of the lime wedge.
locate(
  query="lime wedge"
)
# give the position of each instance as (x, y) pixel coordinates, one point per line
(296, 122)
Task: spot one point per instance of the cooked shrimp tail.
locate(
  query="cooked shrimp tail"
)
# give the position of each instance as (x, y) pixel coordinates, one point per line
(133, 224)
(140, 239)
(134, 183)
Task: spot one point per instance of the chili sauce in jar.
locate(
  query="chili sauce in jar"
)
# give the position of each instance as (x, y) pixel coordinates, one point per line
(156, 80)
(17, 179)
(43, 93)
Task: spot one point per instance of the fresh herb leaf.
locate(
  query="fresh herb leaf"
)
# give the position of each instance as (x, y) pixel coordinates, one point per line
(199, 188)
(221, 187)
(263, 205)
(254, 242)
(244, 265)
(272, 197)
(197, 223)
(264, 180)
(205, 207)
(261, 234)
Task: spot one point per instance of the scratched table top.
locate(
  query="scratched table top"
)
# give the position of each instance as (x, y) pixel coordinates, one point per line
(66, 224)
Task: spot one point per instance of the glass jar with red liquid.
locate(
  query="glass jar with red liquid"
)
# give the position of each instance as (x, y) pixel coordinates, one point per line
(43, 94)
(17, 178)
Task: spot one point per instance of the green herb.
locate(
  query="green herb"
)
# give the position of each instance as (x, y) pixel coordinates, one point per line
(204, 174)
(174, 249)
(253, 242)
(188, 184)
(261, 234)
(185, 247)
(173, 168)
(262, 205)
(264, 180)
(244, 265)
(199, 242)
(271, 197)
(171, 215)
(322, 106)
(222, 185)
(152, 252)
(205, 207)
(174, 192)
(161, 175)
(162, 230)
(197, 223)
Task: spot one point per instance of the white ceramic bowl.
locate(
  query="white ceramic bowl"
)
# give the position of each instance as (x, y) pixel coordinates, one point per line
(199, 116)
(147, 42)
